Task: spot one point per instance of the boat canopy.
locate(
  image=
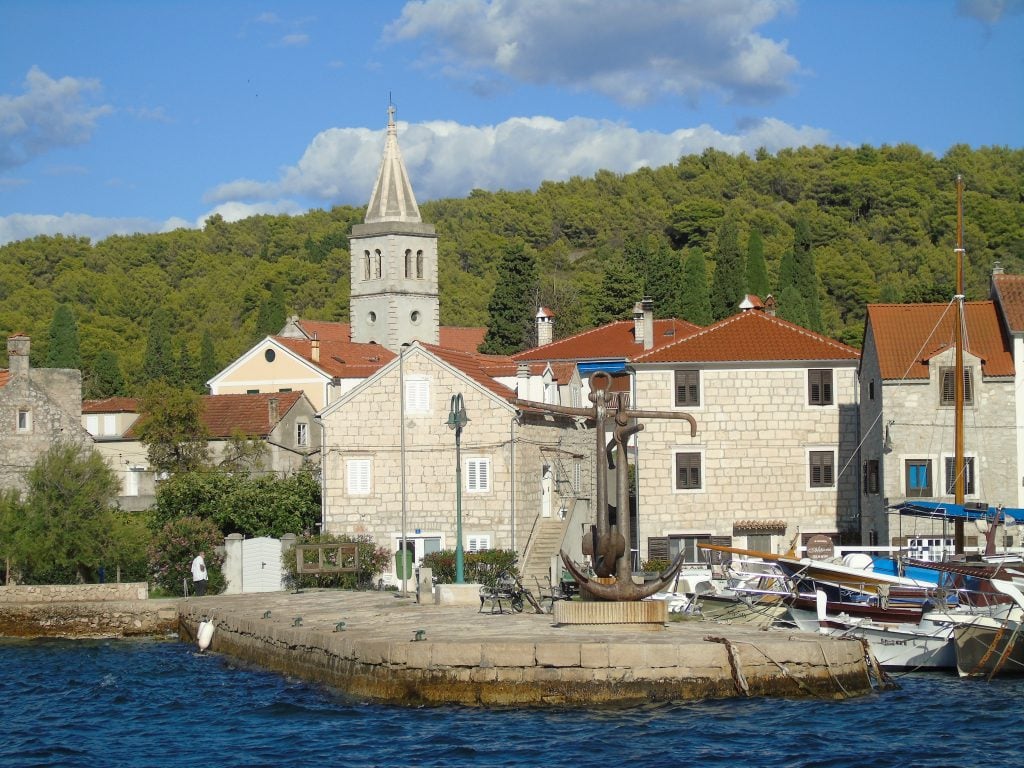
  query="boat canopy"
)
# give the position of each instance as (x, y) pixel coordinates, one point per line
(947, 511)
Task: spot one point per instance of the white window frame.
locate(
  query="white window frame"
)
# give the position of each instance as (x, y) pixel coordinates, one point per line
(971, 466)
(417, 395)
(478, 481)
(131, 480)
(359, 476)
(703, 470)
(302, 434)
(835, 467)
(92, 424)
(23, 420)
(478, 542)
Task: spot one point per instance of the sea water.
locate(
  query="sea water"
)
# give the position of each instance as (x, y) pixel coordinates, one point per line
(160, 703)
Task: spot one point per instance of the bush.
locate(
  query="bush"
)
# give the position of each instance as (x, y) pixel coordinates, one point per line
(479, 567)
(373, 561)
(174, 548)
(654, 565)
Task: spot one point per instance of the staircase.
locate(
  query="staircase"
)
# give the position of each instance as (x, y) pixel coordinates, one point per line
(547, 540)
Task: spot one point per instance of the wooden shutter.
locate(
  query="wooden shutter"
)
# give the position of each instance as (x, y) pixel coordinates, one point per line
(657, 547)
(687, 471)
(687, 386)
(819, 385)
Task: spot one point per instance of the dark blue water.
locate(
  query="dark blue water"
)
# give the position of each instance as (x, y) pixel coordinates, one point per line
(149, 703)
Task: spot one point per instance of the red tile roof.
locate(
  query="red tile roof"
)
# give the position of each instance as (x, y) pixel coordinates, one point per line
(460, 338)
(907, 336)
(1010, 296)
(222, 414)
(111, 405)
(5, 376)
(751, 336)
(611, 341)
(344, 359)
(480, 368)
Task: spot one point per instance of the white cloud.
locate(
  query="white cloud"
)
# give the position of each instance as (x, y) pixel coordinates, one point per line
(20, 226)
(989, 11)
(633, 51)
(235, 211)
(446, 159)
(50, 114)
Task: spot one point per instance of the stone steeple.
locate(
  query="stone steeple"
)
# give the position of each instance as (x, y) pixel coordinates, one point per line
(392, 198)
(394, 287)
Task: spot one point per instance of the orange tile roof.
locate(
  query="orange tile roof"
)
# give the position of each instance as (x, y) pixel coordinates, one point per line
(480, 368)
(222, 414)
(908, 335)
(562, 372)
(344, 359)
(111, 405)
(751, 336)
(460, 338)
(614, 340)
(1010, 295)
(5, 376)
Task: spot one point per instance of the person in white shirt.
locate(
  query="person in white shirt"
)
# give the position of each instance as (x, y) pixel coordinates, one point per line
(199, 574)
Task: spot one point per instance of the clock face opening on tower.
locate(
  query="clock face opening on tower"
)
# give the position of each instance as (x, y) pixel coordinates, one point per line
(415, 318)
(371, 318)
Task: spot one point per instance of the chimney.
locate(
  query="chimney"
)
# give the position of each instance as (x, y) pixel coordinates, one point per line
(523, 380)
(769, 305)
(638, 323)
(272, 410)
(647, 306)
(997, 268)
(18, 347)
(315, 349)
(545, 319)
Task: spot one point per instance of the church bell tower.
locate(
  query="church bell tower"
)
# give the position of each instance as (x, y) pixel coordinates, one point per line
(394, 294)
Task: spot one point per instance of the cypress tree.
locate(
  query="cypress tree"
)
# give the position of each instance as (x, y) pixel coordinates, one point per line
(159, 362)
(807, 275)
(664, 283)
(208, 367)
(513, 304)
(757, 270)
(727, 283)
(621, 288)
(187, 372)
(103, 378)
(63, 351)
(792, 306)
(696, 301)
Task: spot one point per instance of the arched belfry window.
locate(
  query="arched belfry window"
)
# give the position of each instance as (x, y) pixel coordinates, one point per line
(378, 264)
(408, 262)
(419, 265)
(366, 265)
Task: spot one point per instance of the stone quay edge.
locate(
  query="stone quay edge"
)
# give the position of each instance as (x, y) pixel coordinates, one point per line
(387, 648)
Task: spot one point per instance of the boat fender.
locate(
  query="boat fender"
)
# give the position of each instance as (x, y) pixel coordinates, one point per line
(204, 634)
(821, 603)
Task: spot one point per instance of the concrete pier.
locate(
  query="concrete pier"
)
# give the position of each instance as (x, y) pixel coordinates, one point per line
(377, 646)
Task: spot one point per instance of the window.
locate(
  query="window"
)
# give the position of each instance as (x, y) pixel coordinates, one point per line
(688, 546)
(871, 389)
(968, 475)
(478, 543)
(687, 388)
(948, 395)
(366, 265)
(478, 475)
(919, 477)
(419, 265)
(357, 472)
(92, 425)
(408, 262)
(269, 355)
(870, 479)
(285, 389)
(302, 434)
(688, 471)
(823, 465)
(24, 420)
(417, 396)
(819, 386)
(759, 542)
(109, 424)
(378, 263)
(131, 480)
(252, 391)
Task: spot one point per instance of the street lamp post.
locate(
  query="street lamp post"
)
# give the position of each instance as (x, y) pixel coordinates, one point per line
(457, 419)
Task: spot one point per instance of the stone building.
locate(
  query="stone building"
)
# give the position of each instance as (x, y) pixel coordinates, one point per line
(774, 458)
(40, 407)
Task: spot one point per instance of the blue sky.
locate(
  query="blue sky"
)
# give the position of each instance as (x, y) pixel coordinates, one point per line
(146, 116)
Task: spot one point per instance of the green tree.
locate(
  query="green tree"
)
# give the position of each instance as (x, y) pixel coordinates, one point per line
(187, 372)
(792, 307)
(757, 270)
(172, 429)
(65, 532)
(159, 363)
(664, 283)
(807, 276)
(63, 350)
(696, 304)
(174, 547)
(103, 378)
(208, 367)
(727, 283)
(272, 313)
(621, 289)
(513, 304)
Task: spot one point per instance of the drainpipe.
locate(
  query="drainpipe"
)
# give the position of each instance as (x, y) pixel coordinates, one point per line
(636, 466)
(512, 474)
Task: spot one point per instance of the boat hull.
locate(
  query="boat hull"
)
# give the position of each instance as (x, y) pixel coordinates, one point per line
(986, 651)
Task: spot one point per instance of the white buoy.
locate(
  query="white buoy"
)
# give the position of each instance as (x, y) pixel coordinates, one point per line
(204, 634)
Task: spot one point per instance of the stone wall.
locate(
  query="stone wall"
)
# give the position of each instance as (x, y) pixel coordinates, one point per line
(122, 618)
(73, 593)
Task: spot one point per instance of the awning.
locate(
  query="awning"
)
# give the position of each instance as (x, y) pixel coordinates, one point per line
(759, 526)
(608, 366)
(938, 510)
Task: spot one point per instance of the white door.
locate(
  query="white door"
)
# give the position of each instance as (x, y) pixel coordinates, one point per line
(262, 569)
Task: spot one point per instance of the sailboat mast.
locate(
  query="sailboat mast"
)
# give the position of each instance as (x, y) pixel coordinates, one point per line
(958, 374)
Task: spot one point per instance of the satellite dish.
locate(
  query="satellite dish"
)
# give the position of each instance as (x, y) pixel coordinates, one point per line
(981, 525)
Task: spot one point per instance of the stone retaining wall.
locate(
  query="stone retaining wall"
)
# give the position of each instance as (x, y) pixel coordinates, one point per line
(103, 618)
(72, 593)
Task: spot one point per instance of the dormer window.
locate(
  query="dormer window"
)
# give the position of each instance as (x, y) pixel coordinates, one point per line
(947, 375)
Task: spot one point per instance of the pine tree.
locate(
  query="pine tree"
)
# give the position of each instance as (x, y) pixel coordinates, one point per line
(103, 378)
(208, 367)
(792, 306)
(696, 301)
(63, 351)
(272, 313)
(727, 283)
(664, 283)
(187, 372)
(621, 289)
(159, 362)
(757, 270)
(513, 304)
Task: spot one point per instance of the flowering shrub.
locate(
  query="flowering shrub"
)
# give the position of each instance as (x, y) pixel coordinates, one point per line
(174, 547)
(373, 560)
(478, 567)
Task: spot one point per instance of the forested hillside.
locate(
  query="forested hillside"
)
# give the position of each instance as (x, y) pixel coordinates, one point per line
(859, 225)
